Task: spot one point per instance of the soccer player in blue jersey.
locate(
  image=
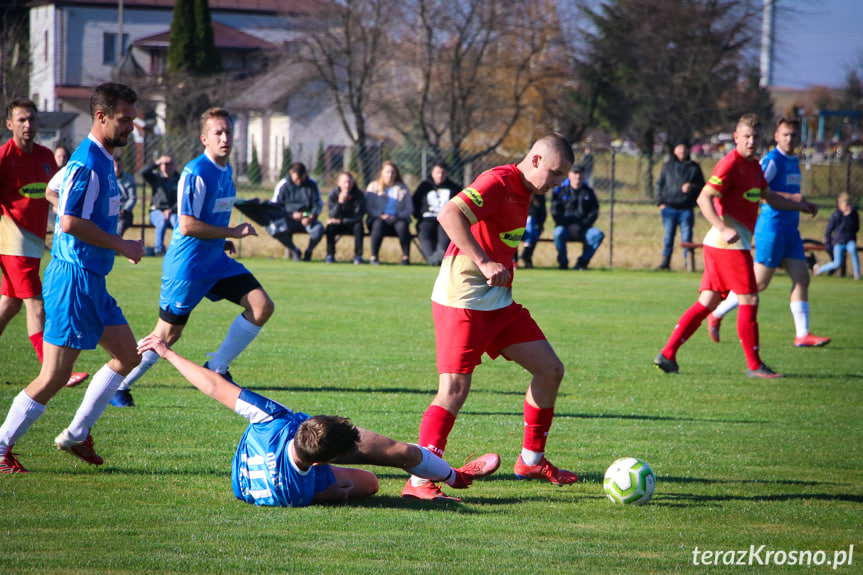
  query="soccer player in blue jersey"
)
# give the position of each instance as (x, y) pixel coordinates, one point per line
(196, 265)
(284, 457)
(777, 239)
(79, 311)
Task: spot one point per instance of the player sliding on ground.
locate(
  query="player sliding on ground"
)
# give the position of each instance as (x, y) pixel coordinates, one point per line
(284, 457)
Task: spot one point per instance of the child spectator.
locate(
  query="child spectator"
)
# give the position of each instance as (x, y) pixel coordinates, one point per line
(841, 234)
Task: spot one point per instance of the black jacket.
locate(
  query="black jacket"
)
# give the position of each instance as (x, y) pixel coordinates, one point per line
(841, 229)
(293, 198)
(429, 197)
(669, 186)
(350, 212)
(569, 206)
(164, 189)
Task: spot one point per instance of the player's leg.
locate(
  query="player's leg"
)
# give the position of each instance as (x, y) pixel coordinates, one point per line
(29, 404)
(9, 308)
(246, 291)
(687, 325)
(118, 341)
(798, 271)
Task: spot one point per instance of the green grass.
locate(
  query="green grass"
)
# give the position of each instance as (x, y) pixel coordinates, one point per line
(739, 462)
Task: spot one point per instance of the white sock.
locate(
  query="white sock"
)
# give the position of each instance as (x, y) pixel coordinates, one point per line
(23, 413)
(800, 313)
(102, 388)
(148, 360)
(432, 468)
(531, 457)
(240, 335)
(726, 306)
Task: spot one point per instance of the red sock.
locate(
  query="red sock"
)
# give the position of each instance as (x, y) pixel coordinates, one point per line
(537, 423)
(435, 427)
(747, 331)
(688, 323)
(36, 340)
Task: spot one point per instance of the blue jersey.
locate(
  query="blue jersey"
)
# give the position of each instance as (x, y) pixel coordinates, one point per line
(89, 191)
(783, 174)
(206, 192)
(263, 472)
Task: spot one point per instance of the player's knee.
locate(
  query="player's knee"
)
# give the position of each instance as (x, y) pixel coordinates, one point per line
(552, 371)
(261, 310)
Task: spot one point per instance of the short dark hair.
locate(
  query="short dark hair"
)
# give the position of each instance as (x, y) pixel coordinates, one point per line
(20, 103)
(299, 169)
(440, 163)
(788, 121)
(561, 145)
(323, 438)
(211, 113)
(577, 169)
(106, 96)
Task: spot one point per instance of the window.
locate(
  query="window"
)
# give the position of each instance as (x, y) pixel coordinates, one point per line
(109, 47)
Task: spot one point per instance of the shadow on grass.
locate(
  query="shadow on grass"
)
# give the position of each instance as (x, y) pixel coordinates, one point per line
(470, 505)
(623, 416)
(681, 499)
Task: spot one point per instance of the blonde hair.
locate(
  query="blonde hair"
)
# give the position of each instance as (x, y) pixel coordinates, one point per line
(750, 120)
(213, 113)
(398, 179)
(843, 199)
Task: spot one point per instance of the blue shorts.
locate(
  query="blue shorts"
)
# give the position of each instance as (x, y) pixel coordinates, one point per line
(771, 249)
(78, 306)
(180, 297)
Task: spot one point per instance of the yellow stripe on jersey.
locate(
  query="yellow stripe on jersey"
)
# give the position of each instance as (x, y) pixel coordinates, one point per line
(715, 180)
(465, 209)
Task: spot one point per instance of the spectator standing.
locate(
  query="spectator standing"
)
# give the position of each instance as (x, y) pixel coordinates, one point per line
(586, 164)
(128, 195)
(346, 207)
(300, 197)
(429, 197)
(841, 236)
(163, 178)
(677, 188)
(575, 208)
(389, 207)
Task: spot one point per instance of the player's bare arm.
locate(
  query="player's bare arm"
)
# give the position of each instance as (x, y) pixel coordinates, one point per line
(193, 227)
(780, 201)
(87, 231)
(457, 227)
(705, 204)
(208, 382)
(52, 197)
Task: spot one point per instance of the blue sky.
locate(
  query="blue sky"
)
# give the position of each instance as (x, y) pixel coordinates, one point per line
(818, 43)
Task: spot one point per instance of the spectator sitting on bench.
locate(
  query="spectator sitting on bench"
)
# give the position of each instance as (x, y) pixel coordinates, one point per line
(346, 206)
(575, 208)
(300, 197)
(163, 177)
(429, 197)
(389, 206)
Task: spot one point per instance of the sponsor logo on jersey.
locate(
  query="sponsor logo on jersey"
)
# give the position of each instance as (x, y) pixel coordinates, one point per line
(474, 196)
(34, 191)
(752, 194)
(512, 238)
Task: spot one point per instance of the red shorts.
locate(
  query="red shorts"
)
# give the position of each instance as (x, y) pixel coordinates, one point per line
(20, 277)
(463, 335)
(728, 270)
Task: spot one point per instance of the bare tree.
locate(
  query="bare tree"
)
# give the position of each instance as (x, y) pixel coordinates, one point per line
(350, 54)
(14, 53)
(475, 67)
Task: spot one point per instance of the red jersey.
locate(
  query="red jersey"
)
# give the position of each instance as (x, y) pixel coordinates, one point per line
(23, 207)
(496, 205)
(739, 183)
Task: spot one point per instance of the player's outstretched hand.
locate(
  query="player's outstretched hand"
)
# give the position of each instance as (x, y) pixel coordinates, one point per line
(495, 273)
(243, 230)
(133, 250)
(811, 209)
(153, 343)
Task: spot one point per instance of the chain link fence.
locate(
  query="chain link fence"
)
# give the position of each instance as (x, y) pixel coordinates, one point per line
(623, 182)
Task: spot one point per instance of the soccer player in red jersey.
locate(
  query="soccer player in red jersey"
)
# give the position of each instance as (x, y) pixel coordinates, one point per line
(730, 201)
(474, 312)
(25, 169)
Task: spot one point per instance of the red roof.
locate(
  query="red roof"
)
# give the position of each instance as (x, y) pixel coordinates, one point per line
(251, 6)
(225, 38)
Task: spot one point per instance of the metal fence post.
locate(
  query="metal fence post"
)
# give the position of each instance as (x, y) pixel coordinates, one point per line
(611, 214)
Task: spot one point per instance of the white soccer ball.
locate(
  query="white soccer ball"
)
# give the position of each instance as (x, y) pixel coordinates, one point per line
(629, 481)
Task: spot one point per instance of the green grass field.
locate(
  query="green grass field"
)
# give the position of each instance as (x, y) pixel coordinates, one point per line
(739, 462)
